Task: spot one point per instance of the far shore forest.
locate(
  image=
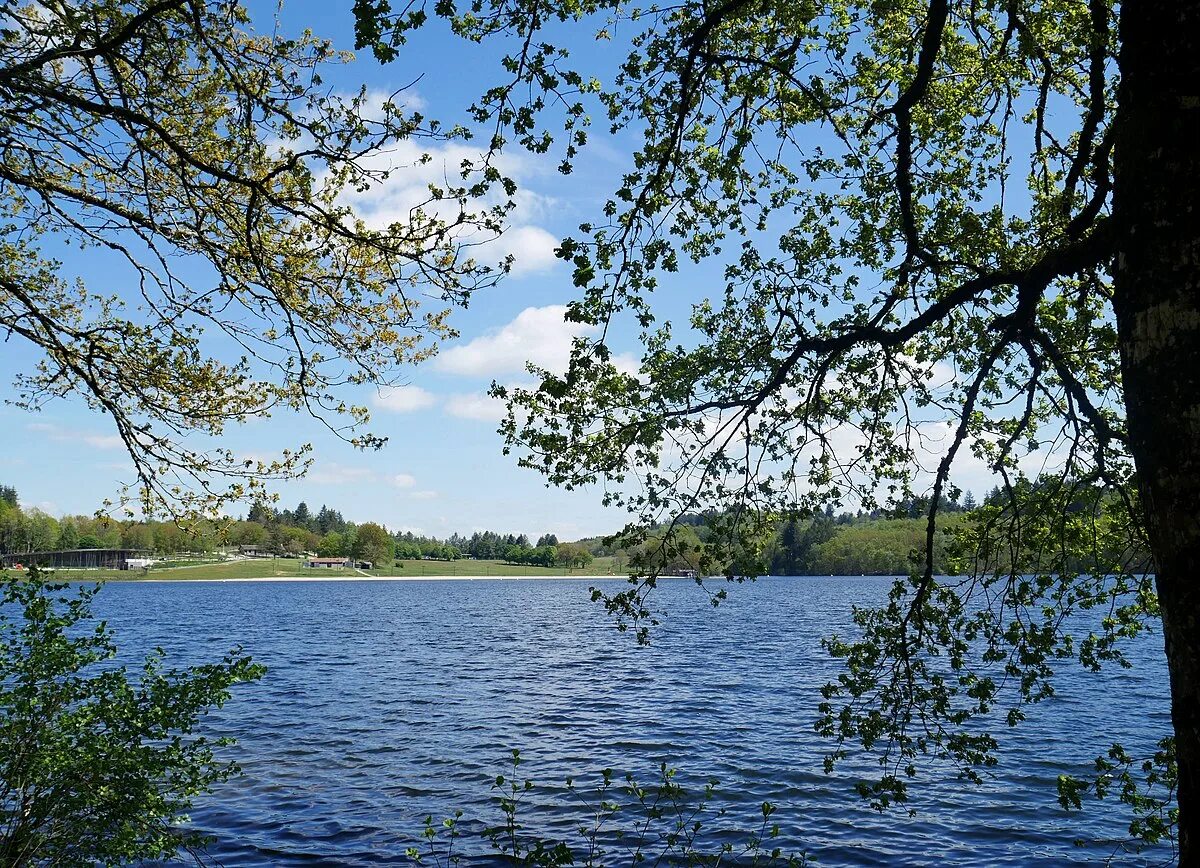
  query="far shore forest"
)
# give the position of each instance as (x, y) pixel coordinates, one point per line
(875, 543)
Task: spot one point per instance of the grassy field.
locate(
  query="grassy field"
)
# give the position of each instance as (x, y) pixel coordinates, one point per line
(283, 568)
(599, 567)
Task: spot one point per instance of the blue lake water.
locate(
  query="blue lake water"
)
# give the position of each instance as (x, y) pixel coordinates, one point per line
(389, 701)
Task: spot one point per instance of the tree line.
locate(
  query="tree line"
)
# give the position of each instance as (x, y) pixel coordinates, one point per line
(880, 541)
(283, 532)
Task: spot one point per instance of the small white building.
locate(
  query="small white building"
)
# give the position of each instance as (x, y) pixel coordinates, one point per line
(329, 563)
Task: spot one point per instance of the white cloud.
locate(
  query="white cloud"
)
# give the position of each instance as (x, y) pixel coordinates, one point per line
(475, 406)
(533, 205)
(531, 247)
(341, 474)
(407, 100)
(626, 363)
(404, 399)
(103, 441)
(538, 334)
(413, 167)
(61, 435)
(338, 474)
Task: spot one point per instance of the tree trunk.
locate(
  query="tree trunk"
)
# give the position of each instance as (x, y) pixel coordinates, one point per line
(1156, 198)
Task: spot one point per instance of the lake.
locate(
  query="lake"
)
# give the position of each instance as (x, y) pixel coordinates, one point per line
(389, 701)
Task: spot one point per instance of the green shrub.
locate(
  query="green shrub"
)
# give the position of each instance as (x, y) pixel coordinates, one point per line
(96, 766)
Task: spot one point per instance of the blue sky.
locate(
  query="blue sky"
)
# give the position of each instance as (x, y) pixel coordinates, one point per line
(442, 470)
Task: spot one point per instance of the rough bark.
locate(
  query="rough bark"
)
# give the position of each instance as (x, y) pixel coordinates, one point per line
(1157, 298)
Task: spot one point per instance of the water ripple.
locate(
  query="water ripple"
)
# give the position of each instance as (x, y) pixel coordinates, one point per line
(388, 702)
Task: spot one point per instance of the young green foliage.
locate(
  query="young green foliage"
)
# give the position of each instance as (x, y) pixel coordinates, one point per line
(214, 173)
(936, 232)
(98, 766)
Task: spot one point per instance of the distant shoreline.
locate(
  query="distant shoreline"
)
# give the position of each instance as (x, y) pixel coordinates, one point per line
(135, 580)
(446, 578)
(355, 578)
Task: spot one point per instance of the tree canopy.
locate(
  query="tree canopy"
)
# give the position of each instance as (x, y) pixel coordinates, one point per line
(373, 543)
(212, 164)
(938, 232)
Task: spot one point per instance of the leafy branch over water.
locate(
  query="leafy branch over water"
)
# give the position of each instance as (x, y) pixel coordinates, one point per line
(629, 823)
(97, 767)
